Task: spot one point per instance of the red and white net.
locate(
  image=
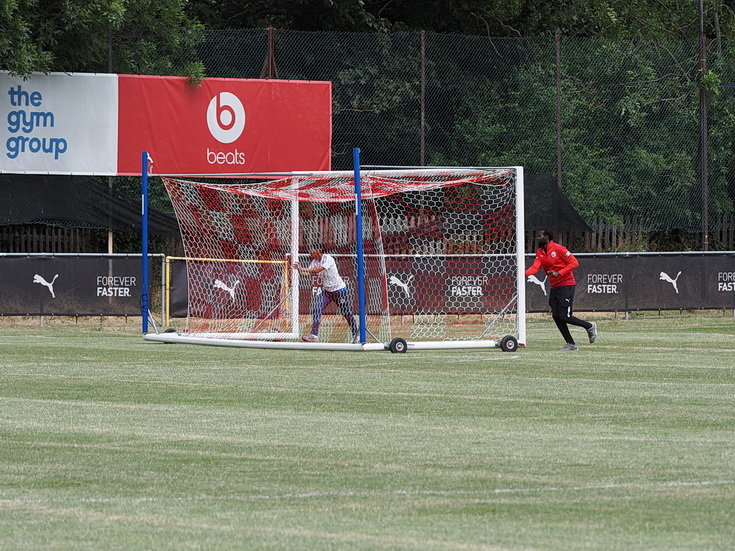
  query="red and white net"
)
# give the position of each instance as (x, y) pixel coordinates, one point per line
(440, 253)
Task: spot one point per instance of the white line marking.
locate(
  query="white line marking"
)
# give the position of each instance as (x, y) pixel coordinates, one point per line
(363, 494)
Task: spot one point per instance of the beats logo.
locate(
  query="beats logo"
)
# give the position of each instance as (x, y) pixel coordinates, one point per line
(225, 117)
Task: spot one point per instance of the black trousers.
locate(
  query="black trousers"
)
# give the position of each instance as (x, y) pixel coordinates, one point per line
(561, 301)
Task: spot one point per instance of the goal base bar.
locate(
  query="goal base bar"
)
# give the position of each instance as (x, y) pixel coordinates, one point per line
(175, 338)
(453, 345)
(262, 336)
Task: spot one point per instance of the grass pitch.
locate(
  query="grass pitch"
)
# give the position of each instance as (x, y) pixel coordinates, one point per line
(111, 442)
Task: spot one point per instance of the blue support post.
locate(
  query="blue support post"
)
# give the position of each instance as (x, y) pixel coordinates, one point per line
(360, 253)
(144, 236)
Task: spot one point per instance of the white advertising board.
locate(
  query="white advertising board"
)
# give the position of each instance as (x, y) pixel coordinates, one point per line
(59, 124)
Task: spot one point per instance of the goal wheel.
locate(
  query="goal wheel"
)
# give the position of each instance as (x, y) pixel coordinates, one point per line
(509, 344)
(398, 346)
(169, 330)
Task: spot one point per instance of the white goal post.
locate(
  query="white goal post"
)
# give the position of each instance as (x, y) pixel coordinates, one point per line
(432, 258)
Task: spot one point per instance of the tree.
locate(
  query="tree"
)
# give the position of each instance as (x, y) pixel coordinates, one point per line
(297, 15)
(124, 36)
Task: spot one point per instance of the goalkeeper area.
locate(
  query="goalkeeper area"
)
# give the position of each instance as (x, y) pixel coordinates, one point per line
(431, 258)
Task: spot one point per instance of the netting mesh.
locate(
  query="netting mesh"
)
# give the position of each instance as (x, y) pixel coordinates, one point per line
(626, 151)
(440, 253)
(619, 132)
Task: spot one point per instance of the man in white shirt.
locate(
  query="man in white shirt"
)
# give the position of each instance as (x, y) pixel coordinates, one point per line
(324, 268)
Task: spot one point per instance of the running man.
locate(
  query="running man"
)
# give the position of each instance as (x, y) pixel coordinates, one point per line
(558, 263)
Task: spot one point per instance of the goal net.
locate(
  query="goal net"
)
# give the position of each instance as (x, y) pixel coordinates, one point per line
(442, 255)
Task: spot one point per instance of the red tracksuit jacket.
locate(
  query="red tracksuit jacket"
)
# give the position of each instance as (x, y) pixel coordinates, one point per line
(556, 258)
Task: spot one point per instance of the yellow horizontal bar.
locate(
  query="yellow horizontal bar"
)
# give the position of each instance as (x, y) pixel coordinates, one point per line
(169, 258)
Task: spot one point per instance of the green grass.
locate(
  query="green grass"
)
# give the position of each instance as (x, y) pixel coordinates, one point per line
(111, 442)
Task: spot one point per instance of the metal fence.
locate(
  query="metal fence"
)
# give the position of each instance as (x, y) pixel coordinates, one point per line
(617, 122)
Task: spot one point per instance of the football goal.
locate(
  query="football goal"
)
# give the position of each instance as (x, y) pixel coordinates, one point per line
(431, 258)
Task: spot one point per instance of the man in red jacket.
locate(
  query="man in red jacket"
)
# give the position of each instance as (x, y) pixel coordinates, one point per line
(558, 263)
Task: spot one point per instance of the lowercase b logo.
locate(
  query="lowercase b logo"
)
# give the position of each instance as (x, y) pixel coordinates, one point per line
(225, 117)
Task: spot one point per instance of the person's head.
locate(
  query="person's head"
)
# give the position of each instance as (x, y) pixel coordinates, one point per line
(315, 253)
(544, 237)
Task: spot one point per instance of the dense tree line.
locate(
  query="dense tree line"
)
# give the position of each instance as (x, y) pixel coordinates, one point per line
(663, 19)
(149, 35)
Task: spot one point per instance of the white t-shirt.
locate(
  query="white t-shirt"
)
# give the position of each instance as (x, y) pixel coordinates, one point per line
(330, 278)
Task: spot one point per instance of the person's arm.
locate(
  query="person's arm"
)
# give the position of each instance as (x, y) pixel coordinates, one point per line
(313, 271)
(535, 267)
(310, 270)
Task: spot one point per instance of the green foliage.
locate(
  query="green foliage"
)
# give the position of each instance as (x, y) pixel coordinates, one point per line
(311, 15)
(710, 82)
(21, 51)
(133, 36)
(627, 115)
(195, 73)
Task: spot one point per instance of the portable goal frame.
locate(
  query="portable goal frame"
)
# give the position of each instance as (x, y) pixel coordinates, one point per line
(365, 281)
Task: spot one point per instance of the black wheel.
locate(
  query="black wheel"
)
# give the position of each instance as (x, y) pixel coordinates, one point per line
(398, 346)
(509, 344)
(170, 330)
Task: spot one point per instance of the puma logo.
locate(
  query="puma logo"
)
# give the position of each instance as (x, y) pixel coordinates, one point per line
(666, 277)
(395, 281)
(38, 279)
(219, 284)
(535, 280)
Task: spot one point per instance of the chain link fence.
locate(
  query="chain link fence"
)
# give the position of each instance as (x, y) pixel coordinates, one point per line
(616, 124)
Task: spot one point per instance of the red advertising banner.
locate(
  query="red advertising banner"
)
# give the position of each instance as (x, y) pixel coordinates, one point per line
(223, 126)
(81, 123)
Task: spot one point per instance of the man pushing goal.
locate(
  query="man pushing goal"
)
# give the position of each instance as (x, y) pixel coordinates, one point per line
(334, 289)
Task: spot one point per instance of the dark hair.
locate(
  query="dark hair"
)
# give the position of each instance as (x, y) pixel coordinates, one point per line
(548, 233)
